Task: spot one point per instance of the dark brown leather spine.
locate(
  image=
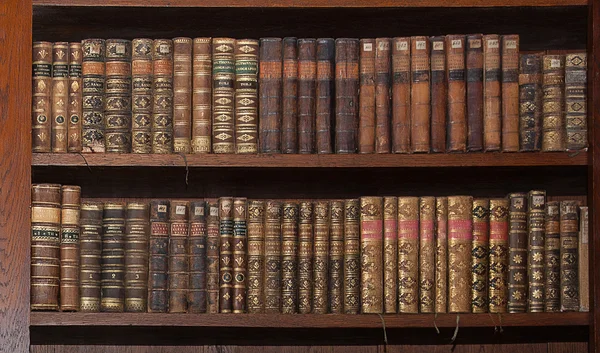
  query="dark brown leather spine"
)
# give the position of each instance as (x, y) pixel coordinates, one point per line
(158, 296)
(366, 97)
(60, 95)
(321, 254)
(390, 255)
(492, 93)
(401, 71)
(272, 257)
(426, 254)
(420, 109)
(255, 298)
(371, 248)
(74, 102)
(408, 255)
(530, 102)
(41, 111)
(517, 253)
(535, 223)
(583, 254)
(94, 76)
(289, 115)
(202, 95)
(575, 101)
(137, 232)
(553, 103)
(269, 93)
(226, 255)
(441, 254)
(383, 71)
(289, 258)
(117, 104)
(439, 94)
(212, 256)
(182, 94)
(352, 256)
(457, 93)
(307, 76)
(113, 257)
(336, 256)
(346, 91)
(498, 274)
(305, 256)
(552, 257)
(569, 275)
(197, 257)
(479, 256)
(223, 95)
(178, 259)
(69, 248)
(510, 94)
(246, 96)
(240, 238)
(45, 246)
(325, 96)
(474, 54)
(460, 238)
(162, 90)
(141, 95)
(90, 255)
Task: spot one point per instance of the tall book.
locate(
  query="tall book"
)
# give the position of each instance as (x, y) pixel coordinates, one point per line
(178, 259)
(351, 256)
(240, 239)
(90, 255)
(479, 256)
(201, 95)
(246, 96)
(325, 96)
(182, 94)
(441, 254)
(196, 297)
(226, 255)
(117, 103)
(517, 253)
(474, 77)
(93, 71)
(584, 263)
(536, 234)
(426, 254)
(272, 257)
(390, 254)
(158, 267)
(576, 101)
(530, 102)
(498, 259)
(569, 276)
(41, 129)
(45, 246)
(321, 257)
(492, 93)
(383, 69)
(75, 98)
(137, 232)
(60, 95)
(162, 91)
(552, 257)
(269, 92)
(141, 95)
(69, 247)
(510, 93)
(439, 94)
(307, 80)
(371, 249)
(401, 102)
(553, 103)
(346, 91)
(460, 237)
(223, 115)
(113, 257)
(289, 258)
(212, 256)
(256, 257)
(457, 90)
(289, 93)
(305, 256)
(336, 256)
(420, 109)
(366, 97)
(408, 254)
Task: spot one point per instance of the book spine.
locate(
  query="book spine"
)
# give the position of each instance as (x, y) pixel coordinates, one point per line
(371, 249)
(141, 95)
(60, 95)
(226, 255)
(536, 235)
(336, 257)
(212, 257)
(162, 90)
(93, 70)
(223, 95)
(307, 76)
(158, 297)
(517, 253)
(113, 257)
(492, 93)
(390, 254)
(117, 104)
(479, 256)
(460, 238)
(420, 109)
(457, 89)
(272, 257)
(352, 256)
(441, 254)
(289, 258)
(383, 71)
(246, 98)
(182, 94)
(201, 95)
(69, 248)
(137, 232)
(197, 257)
(474, 76)
(74, 111)
(305, 257)
(45, 246)
(408, 254)
(584, 263)
(426, 254)
(569, 285)
(498, 259)
(366, 97)
(576, 101)
(510, 93)
(42, 89)
(553, 104)
(439, 94)
(256, 257)
(269, 92)
(321, 257)
(240, 238)
(401, 102)
(552, 257)
(324, 94)
(289, 115)
(346, 91)
(530, 102)
(90, 255)
(178, 259)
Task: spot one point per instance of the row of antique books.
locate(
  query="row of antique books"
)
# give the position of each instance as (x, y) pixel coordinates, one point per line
(453, 93)
(453, 254)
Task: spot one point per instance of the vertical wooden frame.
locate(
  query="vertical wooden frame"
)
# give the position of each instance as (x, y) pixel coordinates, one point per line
(594, 168)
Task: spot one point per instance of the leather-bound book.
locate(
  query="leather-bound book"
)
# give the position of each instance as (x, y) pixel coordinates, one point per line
(346, 95)
(408, 254)
(457, 89)
(69, 248)
(141, 95)
(45, 246)
(517, 253)
(93, 71)
(536, 234)
(289, 115)
(226, 255)
(60, 95)
(352, 256)
(74, 111)
(305, 256)
(197, 257)
(460, 237)
(90, 255)
(569, 276)
(324, 95)
(246, 96)
(321, 257)
(371, 249)
(178, 258)
(576, 101)
(383, 69)
(307, 81)
(584, 263)
(420, 109)
(256, 257)
(336, 257)
(552, 257)
(366, 97)
(240, 238)
(553, 103)
(510, 93)
(289, 258)
(390, 255)
(158, 295)
(202, 95)
(113, 257)
(182, 94)
(530, 102)
(474, 76)
(426, 254)
(272, 257)
(492, 93)
(41, 113)
(441, 255)
(212, 256)
(439, 94)
(223, 95)
(479, 256)
(137, 233)
(498, 259)
(117, 103)
(401, 102)
(162, 102)
(270, 76)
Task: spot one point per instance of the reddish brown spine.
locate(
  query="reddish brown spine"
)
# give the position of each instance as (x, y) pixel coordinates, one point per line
(346, 90)
(325, 95)
(270, 82)
(401, 95)
(382, 95)
(366, 114)
(307, 75)
(457, 107)
(439, 94)
(420, 99)
(289, 115)
(474, 49)
(510, 93)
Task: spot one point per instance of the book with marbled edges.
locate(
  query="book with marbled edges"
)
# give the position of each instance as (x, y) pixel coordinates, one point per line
(426, 254)
(305, 257)
(336, 256)
(441, 254)
(178, 259)
(289, 258)
(390, 254)
(321, 257)
(517, 253)
(137, 232)
(408, 254)
(226, 255)
(371, 249)
(158, 267)
(273, 213)
(113, 258)
(536, 235)
(351, 256)
(256, 257)
(569, 274)
(498, 256)
(479, 256)
(460, 238)
(552, 257)
(69, 247)
(90, 255)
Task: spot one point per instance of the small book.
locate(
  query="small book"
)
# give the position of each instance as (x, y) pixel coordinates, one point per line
(351, 256)
(113, 258)
(69, 247)
(141, 95)
(117, 103)
(182, 94)
(90, 255)
(158, 295)
(93, 70)
(460, 238)
(178, 258)
(202, 95)
(371, 249)
(137, 233)
(321, 257)
(60, 96)
(162, 92)
(255, 300)
(346, 90)
(289, 115)
(223, 76)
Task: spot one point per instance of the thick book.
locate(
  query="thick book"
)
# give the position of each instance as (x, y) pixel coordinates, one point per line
(75, 98)
(371, 249)
(137, 233)
(401, 102)
(420, 109)
(162, 93)
(536, 235)
(441, 254)
(553, 103)
(182, 94)
(289, 93)
(246, 96)
(325, 95)
(351, 256)
(113, 258)
(117, 100)
(45, 246)
(196, 251)
(141, 95)
(510, 93)
(202, 95)
(158, 267)
(460, 238)
(69, 247)
(336, 256)
(390, 254)
(498, 256)
(439, 94)
(272, 257)
(307, 79)
(223, 115)
(474, 77)
(346, 95)
(256, 257)
(226, 255)
(240, 239)
(569, 242)
(457, 93)
(383, 69)
(576, 101)
(366, 97)
(93, 72)
(41, 111)
(408, 254)
(305, 256)
(289, 258)
(60, 95)
(321, 257)
(583, 257)
(479, 256)
(212, 256)
(530, 102)
(552, 257)
(492, 93)
(179, 216)
(517, 253)
(90, 255)
(426, 254)
(270, 77)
